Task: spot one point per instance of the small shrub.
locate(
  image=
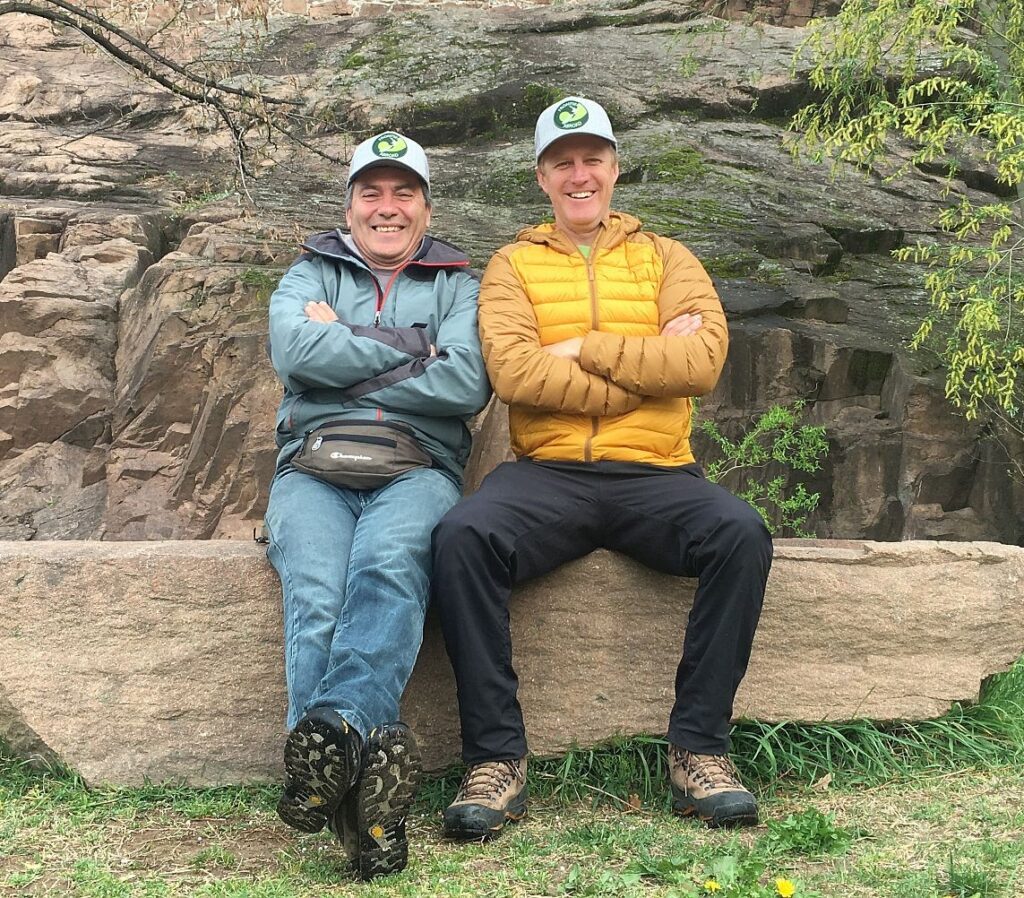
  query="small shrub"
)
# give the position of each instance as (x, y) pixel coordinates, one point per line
(778, 439)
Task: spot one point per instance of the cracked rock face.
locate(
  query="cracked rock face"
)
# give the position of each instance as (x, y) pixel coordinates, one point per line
(136, 398)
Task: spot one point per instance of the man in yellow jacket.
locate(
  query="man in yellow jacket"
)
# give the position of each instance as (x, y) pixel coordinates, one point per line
(597, 334)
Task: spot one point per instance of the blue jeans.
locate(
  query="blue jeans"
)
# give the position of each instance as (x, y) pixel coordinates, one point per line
(355, 575)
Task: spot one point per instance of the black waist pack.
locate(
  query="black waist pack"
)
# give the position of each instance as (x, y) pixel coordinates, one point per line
(362, 455)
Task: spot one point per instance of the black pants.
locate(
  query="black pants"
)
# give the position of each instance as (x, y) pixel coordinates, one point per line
(529, 517)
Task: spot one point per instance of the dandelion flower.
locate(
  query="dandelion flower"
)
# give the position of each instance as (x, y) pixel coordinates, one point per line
(711, 885)
(785, 888)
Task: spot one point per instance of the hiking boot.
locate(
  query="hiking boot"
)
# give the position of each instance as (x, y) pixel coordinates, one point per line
(491, 793)
(321, 762)
(370, 821)
(708, 787)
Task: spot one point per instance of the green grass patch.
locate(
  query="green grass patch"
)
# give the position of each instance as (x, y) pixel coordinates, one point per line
(989, 733)
(260, 283)
(941, 817)
(354, 60)
(808, 832)
(853, 754)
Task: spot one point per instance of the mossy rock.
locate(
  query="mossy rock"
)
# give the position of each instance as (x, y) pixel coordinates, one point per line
(679, 165)
(733, 265)
(490, 115)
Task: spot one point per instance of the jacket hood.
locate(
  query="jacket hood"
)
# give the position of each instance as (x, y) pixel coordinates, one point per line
(432, 253)
(615, 228)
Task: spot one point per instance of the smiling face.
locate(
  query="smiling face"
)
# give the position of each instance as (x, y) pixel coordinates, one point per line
(578, 174)
(389, 215)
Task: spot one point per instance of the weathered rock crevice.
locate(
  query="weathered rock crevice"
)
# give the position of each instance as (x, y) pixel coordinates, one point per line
(59, 313)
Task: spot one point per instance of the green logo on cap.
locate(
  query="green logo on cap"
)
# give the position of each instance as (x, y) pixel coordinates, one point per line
(390, 146)
(571, 115)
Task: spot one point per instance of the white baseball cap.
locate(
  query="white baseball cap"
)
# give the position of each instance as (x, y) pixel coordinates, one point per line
(573, 115)
(393, 150)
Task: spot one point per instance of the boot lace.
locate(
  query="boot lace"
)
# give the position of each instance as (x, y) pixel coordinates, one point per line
(710, 771)
(489, 780)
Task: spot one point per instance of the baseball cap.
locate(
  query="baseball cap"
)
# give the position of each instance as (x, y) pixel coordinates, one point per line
(391, 149)
(573, 115)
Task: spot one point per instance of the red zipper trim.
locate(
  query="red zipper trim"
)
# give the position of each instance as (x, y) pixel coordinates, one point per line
(382, 296)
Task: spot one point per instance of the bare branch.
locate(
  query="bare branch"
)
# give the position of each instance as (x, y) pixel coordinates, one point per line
(240, 109)
(143, 47)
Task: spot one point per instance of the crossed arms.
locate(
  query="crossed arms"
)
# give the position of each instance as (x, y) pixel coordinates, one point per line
(603, 373)
(398, 367)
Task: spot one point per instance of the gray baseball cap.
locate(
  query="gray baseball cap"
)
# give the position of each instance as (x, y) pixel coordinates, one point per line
(573, 115)
(393, 150)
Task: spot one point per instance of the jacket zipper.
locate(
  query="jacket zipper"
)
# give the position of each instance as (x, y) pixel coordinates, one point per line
(381, 296)
(595, 422)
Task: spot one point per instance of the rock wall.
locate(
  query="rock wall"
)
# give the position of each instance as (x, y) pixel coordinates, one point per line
(787, 13)
(136, 398)
(177, 670)
(160, 12)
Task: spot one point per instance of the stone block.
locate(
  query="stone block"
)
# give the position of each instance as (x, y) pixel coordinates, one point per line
(35, 238)
(176, 672)
(25, 226)
(328, 8)
(37, 246)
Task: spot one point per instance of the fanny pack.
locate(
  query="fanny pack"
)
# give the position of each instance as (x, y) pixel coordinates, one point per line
(361, 455)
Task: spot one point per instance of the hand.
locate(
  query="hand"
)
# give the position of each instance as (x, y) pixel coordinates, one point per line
(566, 349)
(683, 326)
(433, 351)
(320, 311)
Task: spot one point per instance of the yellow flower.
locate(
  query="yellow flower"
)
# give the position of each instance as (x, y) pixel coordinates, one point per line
(785, 888)
(711, 885)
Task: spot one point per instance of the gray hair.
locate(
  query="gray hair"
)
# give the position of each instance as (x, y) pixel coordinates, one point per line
(351, 189)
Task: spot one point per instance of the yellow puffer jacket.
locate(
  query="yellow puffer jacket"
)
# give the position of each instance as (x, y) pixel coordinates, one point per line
(627, 399)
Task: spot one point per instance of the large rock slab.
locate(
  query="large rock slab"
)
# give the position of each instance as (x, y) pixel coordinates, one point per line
(162, 661)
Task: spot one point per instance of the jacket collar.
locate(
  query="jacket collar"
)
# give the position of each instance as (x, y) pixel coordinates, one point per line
(615, 228)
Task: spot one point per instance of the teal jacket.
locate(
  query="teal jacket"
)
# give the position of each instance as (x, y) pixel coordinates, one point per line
(375, 361)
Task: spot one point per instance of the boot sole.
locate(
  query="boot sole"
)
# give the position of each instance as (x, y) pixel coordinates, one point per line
(318, 774)
(475, 835)
(716, 818)
(390, 778)
(513, 814)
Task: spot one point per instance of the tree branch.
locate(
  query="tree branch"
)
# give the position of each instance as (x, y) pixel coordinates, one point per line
(238, 115)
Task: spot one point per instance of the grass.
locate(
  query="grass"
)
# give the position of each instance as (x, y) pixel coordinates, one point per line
(921, 810)
(775, 757)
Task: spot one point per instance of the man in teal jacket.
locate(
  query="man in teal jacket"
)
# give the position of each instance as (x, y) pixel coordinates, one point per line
(377, 325)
